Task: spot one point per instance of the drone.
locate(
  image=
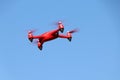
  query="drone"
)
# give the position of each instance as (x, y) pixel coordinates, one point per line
(51, 35)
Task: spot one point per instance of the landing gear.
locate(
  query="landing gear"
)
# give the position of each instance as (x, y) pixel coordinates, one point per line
(60, 26)
(30, 36)
(70, 38)
(30, 39)
(61, 30)
(40, 47)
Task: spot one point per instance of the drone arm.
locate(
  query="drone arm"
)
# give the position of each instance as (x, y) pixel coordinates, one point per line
(63, 36)
(68, 36)
(36, 37)
(31, 37)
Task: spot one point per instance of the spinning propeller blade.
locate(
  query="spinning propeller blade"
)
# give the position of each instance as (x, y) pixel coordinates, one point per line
(73, 31)
(57, 22)
(35, 42)
(31, 31)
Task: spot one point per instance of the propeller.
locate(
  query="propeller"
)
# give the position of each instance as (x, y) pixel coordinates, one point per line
(31, 31)
(74, 30)
(35, 41)
(69, 33)
(56, 23)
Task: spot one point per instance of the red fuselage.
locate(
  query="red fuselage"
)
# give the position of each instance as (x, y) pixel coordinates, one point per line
(50, 35)
(47, 36)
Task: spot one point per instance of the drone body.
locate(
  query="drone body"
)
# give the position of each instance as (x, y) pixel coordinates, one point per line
(50, 35)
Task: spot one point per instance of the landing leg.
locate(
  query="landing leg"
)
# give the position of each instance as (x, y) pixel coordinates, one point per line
(70, 38)
(61, 30)
(40, 45)
(40, 48)
(30, 39)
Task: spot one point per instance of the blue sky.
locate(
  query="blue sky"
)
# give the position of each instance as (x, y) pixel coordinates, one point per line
(93, 54)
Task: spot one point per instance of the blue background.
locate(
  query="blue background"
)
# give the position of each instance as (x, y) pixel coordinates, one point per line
(93, 54)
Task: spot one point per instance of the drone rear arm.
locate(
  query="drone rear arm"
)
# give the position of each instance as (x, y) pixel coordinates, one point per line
(31, 37)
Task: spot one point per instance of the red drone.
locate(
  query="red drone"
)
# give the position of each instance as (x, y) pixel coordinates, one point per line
(50, 35)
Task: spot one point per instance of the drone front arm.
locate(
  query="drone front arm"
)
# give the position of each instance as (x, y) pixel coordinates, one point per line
(36, 37)
(63, 36)
(68, 36)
